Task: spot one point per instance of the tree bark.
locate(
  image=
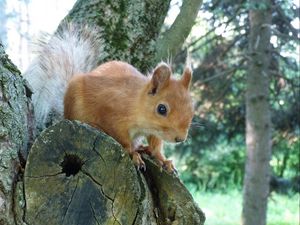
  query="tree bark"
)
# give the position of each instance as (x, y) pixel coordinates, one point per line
(129, 28)
(16, 131)
(258, 122)
(132, 29)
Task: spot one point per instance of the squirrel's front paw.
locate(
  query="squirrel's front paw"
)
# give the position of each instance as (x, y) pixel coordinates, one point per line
(144, 149)
(137, 160)
(168, 165)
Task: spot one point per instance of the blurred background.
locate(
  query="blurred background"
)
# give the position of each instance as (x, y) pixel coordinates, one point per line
(211, 162)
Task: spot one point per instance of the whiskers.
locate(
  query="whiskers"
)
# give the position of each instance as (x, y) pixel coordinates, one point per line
(197, 124)
(194, 128)
(188, 139)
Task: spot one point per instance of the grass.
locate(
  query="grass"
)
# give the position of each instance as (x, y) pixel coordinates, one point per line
(225, 209)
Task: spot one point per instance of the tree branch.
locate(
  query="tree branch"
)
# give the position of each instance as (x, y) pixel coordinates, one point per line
(173, 38)
(287, 21)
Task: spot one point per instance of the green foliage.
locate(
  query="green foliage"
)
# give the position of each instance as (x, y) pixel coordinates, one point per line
(256, 6)
(219, 166)
(214, 156)
(285, 160)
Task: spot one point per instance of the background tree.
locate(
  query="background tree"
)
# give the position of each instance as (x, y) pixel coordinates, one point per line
(214, 157)
(258, 118)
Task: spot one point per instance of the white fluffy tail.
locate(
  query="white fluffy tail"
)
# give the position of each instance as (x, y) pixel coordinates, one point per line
(72, 50)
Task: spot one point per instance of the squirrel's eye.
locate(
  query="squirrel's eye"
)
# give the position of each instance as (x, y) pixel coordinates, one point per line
(162, 109)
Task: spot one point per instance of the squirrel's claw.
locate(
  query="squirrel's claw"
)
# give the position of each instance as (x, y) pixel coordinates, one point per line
(168, 165)
(175, 172)
(142, 167)
(137, 160)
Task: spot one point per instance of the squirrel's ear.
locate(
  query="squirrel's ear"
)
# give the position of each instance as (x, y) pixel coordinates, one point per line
(186, 77)
(160, 78)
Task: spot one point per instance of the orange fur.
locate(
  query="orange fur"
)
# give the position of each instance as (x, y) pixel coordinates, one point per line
(118, 99)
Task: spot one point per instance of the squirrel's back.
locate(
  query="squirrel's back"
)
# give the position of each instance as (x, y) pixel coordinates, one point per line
(108, 93)
(70, 51)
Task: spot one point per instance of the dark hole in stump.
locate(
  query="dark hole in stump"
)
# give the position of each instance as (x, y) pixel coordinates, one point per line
(71, 164)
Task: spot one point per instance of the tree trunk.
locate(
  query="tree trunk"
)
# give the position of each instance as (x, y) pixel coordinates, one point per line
(129, 28)
(258, 122)
(16, 131)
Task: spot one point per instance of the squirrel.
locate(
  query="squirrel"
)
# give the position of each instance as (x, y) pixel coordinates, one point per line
(113, 97)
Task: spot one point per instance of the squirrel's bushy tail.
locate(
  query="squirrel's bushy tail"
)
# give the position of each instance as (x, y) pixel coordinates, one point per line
(71, 50)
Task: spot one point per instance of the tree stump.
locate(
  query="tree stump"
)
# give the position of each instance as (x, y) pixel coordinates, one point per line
(77, 175)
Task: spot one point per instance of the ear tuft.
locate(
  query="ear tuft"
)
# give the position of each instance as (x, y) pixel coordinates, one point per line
(160, 77)
(186, 77)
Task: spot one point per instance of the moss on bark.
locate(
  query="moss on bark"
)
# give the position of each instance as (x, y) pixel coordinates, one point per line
(129, 28)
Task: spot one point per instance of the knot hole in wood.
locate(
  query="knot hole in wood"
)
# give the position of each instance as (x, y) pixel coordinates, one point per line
(71, 164)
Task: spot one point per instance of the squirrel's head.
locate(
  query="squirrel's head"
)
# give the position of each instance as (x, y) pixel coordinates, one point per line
(168, 104)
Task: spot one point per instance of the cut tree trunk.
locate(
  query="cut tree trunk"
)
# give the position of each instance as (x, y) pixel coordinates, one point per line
(78, 175)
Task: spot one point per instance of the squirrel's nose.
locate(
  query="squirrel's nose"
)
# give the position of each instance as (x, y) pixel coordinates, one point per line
(178, 139)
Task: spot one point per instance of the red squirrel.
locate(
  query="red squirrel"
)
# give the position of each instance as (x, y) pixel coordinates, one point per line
(117, 99)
